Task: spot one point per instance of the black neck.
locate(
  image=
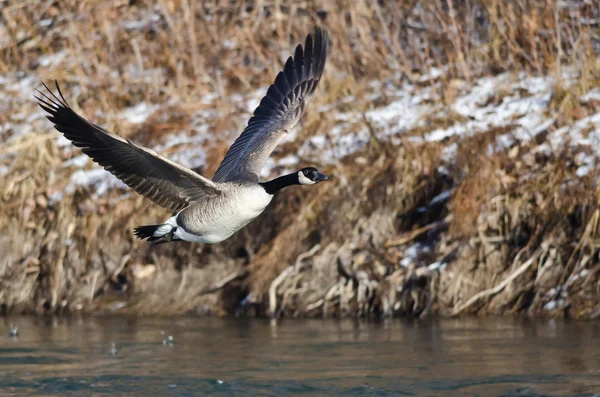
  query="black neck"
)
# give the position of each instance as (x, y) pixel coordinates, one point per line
(277, 184)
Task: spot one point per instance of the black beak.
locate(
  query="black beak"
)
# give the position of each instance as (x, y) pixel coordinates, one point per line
(320, 177)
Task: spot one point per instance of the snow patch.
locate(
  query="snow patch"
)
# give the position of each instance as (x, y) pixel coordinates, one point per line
(52, 60)
(77, 161)
(139, 113)
(98, 179)
(412, 253)
(525, 112)
(592, 95)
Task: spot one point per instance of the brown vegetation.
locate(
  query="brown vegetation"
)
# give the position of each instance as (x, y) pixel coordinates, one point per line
(516, 232)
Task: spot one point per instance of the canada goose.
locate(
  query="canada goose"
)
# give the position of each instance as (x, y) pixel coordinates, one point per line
(207, 211)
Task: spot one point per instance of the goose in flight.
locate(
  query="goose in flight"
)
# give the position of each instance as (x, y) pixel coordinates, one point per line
(207, 211)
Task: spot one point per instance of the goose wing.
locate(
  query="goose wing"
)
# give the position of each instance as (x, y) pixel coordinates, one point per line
(148, 173)
(277, 113)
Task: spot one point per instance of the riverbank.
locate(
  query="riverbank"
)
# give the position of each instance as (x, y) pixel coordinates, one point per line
(463, 141)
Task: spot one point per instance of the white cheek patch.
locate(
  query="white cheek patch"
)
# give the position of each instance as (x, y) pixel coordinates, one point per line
(304, 180)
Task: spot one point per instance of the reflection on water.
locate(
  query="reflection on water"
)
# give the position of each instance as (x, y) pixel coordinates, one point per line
(227, 357)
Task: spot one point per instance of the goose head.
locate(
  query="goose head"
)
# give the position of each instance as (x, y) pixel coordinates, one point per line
(310, 176)
(306, 176)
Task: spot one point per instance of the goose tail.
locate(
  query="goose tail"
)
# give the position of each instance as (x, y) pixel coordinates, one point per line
(156, 234)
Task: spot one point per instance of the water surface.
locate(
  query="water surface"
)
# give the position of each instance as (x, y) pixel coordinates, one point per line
(233, 357)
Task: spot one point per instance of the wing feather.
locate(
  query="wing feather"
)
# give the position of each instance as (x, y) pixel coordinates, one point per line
(278, 111)
(164, 182)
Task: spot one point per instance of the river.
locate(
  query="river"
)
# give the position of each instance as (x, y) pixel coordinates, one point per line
(192, 356)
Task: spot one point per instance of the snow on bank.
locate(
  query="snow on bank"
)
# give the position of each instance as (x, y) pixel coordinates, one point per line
(520, 102)
(523, 107)
(138, 114)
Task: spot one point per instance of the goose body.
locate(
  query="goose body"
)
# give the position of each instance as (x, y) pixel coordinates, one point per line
(207, 211)
(217, 219)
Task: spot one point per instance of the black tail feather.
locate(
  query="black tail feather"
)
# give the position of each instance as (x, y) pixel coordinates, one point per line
(144, 232)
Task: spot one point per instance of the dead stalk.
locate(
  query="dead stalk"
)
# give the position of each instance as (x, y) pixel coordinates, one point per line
(498, 288)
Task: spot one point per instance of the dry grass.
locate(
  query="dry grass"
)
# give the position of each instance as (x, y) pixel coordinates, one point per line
(78, 253)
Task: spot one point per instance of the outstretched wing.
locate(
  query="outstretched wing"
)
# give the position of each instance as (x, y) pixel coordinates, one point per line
(148, 173)
(278, 112)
